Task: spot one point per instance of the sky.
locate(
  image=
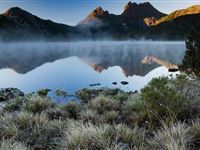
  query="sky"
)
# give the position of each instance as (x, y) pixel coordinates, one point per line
(71, 12)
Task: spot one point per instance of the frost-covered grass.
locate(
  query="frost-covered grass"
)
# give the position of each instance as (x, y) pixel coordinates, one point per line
(164, 115)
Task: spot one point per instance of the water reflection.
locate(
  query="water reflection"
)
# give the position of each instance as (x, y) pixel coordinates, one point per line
(71, 66)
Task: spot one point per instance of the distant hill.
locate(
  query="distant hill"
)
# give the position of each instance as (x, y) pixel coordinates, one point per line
(18, 24)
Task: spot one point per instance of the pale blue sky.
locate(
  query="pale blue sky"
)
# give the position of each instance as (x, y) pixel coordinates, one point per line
(72, 11)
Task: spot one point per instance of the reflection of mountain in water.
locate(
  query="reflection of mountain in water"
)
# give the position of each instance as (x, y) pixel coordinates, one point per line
(99, 55)
(152, 59)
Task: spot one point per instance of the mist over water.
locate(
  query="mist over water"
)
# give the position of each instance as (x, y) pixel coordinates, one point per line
(75, 65)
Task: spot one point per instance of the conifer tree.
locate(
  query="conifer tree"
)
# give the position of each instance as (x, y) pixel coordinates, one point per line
(191, 61)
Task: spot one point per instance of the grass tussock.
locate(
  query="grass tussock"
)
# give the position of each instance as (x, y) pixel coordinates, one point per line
(174, 137)
(12, 145)
(160, 116)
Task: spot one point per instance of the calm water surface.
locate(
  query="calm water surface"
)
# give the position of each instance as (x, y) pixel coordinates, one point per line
(76, 65)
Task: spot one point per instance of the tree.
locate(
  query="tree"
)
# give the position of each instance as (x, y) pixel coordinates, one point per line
(191, 61)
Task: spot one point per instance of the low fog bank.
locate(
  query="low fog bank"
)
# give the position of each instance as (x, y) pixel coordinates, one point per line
(89, 42)
(24, 57)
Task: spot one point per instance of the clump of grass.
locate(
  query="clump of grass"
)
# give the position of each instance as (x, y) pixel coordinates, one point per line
(56, 113)
(195, 132)
(72, 109)
(88, 136)
(89, 115)
(8, 129)
(102, 103)
(29, 120)
(12, 145)
(174, 137)
(195, 128)
(37, 104)
(14, 105)
(100, 136)
(109, 117)
(131, 111)
(132, 136)
(38, 131)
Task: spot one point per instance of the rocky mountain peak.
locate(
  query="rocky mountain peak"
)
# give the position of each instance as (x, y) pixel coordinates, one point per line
(129, 6)
(94, 18)
(98, 12)
(16, 11)
(141, 10)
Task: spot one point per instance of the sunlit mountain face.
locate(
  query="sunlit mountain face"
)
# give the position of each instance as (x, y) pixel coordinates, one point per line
(76, 65)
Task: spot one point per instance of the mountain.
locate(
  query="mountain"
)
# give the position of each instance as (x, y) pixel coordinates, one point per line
(136, 21)
(17, 23)
(128, 24)
(141, 20)
(100, 23)
(178, 13)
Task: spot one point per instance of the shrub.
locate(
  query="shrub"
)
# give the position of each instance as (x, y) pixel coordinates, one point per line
(162, 102)
(43, 92)
(61, 93)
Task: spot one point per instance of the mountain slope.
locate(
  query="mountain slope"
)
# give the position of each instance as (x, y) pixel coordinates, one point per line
(177, 29)
(178, 13)
(18, 24)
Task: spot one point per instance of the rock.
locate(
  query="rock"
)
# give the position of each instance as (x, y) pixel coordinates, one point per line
(123, 146)
(173, 69)
(124, 83)
(10, 93)
(114, 83)
(96, 84)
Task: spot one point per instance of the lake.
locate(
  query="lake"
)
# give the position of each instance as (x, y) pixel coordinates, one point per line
(74, 65)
